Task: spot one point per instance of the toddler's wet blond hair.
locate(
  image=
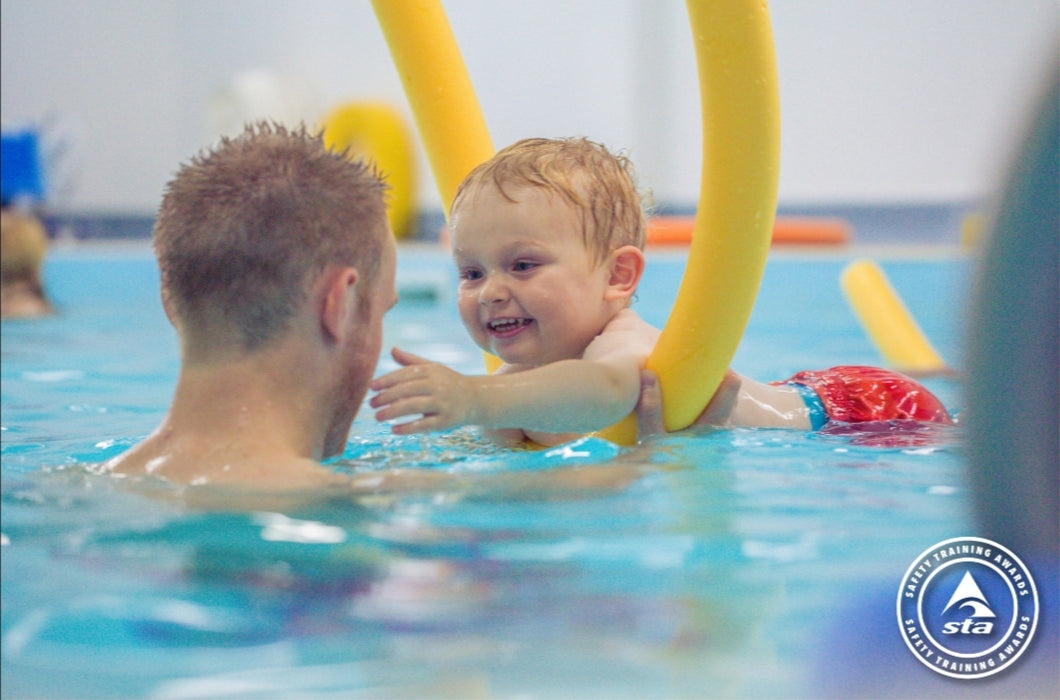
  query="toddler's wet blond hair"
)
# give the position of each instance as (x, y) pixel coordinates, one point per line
(600, 185)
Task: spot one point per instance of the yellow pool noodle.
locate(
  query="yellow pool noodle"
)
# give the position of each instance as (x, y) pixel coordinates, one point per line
(440, 94)
(886, 319)
(439, 90)
(740, 103)
(741, 162)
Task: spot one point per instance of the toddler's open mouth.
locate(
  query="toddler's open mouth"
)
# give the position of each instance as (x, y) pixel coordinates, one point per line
(507, 326)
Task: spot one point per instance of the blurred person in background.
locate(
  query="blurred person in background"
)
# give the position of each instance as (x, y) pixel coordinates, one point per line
(24, 245)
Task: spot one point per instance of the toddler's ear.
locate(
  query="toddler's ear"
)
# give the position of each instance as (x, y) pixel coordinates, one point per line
(626, 267)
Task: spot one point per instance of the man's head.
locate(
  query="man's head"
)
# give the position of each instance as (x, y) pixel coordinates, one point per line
(275, 253)
(600, 186)
(245, 228)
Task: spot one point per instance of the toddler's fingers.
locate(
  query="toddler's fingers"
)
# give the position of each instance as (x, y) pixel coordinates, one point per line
(405, 358)
(425, 420)
(398, 377)
(400, 409)
(426, 424)
(403, 391)
(391, 407)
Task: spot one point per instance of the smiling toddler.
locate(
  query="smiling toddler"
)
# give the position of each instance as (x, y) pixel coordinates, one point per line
(548, 239)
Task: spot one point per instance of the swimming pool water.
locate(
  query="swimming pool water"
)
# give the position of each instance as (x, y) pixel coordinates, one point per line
(715, 563)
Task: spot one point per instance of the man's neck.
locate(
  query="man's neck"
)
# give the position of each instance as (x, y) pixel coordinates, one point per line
(235, 422)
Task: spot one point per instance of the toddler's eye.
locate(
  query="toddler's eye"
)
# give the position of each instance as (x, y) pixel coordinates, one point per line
(523, 266)
(470, 275)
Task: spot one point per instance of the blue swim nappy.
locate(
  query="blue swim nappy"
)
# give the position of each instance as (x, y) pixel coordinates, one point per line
(818, 416)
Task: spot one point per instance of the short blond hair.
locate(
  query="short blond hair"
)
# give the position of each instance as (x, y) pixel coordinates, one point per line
(599, 184)
(243, 227)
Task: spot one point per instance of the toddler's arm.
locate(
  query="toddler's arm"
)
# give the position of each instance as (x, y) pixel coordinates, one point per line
(738, 402)
(569, 396)
(565, 396)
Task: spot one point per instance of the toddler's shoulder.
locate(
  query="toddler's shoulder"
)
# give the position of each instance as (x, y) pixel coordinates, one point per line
(628, 320)
(625, 334)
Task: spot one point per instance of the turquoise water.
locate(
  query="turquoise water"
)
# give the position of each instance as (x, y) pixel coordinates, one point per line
(714, 563)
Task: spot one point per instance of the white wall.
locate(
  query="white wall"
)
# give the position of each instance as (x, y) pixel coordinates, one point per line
(883, 100)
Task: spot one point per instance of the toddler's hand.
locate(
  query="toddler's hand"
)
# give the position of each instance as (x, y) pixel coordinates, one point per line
(441, 397)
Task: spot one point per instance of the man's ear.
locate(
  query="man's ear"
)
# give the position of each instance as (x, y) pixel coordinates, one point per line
(626, 265)
(167, 306)
(339, 300)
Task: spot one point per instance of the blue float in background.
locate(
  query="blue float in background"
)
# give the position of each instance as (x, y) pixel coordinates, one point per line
(21, 179)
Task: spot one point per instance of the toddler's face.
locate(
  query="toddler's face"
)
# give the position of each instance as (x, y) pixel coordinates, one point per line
(530, 292)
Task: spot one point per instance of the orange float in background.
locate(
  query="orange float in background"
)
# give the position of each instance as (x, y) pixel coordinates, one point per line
(804, 230)
(792, 230)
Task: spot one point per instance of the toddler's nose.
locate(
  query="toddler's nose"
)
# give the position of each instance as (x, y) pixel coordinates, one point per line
(493, 291)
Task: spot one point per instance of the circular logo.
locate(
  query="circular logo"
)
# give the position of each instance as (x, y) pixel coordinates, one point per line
(967, 607)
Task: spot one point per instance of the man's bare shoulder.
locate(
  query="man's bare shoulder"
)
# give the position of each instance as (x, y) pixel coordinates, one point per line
(254, 476)
(193, 465)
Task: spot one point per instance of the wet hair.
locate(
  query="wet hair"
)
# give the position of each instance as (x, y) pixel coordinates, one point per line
(600, 185)
(244, 228)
